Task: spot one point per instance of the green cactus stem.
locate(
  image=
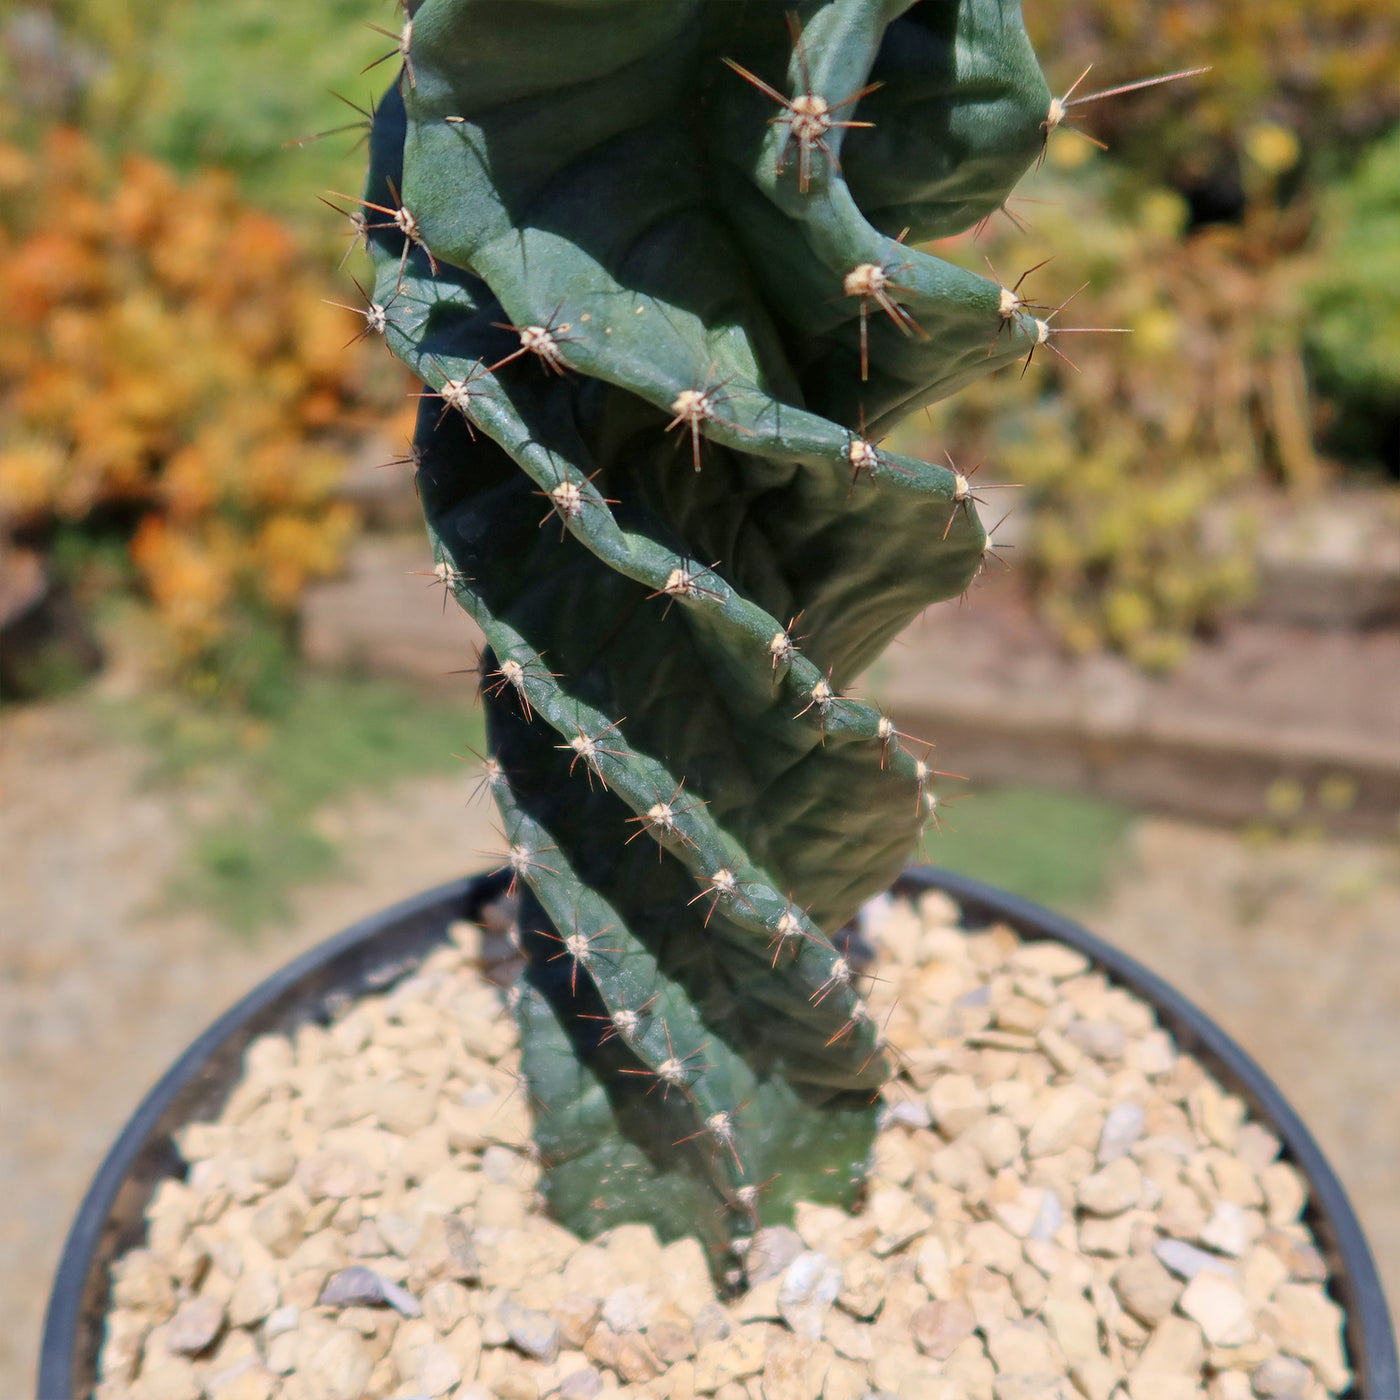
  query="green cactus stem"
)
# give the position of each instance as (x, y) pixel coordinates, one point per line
(657, 263)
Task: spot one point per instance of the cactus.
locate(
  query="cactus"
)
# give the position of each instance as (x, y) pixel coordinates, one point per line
(655, 263)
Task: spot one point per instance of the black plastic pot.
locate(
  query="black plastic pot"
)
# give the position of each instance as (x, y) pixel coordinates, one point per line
(381, 949)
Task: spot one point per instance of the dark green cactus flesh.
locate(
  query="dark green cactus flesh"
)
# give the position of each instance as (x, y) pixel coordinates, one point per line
(667, 301)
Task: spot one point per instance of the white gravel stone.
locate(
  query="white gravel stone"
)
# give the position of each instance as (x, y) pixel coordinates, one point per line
(898, 1219)
(1113, 1189)
(908, 1113)
(1146, 1289)
(955, 1103)
(1045, 1386)
(1175, 1346)
(122, 1346)
(864, 1283)
(1256, 1146)
(1096, 1378)
(1049, 1218)
(1023, 1212)
(1281, 1378)
(582, 1384)
(1261, 1273)
(1285, 1193)
(1228, 1230)
(1229, 1385)
(254, 1297)
(142, 1283)
(436, 1370)
(577, 1315)
(1234, 1180)
(1029, 1288)
(534, 1333)
(1307, 1324)
(356, 1286)
(1122, 1127)
(770, 1251)
(1074, 1325)
(1186, 1261)
(1153, 1054)
(279, 1224)
(1219, 1307)
(399, 1233)
(1104, 1040)
(996, 1140)
(630, 1308)
(959, 1166)
(933, 1266)
(195, 1325)
(336, 1366)
(1060, 1114)
(1064, 1056)
(992, 1246)
(1049, 959)
(445, 1304)
(170, 1378)
(1159, 1385)
(810, 1286)
(1106, 1237)
(1019, 1015)
(1024, 1348)
(274, 1163)
(1216, 1115)
(739, 1355)
(335, 1175)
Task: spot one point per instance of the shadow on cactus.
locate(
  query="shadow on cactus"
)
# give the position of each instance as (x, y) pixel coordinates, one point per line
(654, 262)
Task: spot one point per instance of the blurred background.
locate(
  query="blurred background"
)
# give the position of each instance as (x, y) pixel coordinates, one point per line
(228, 719)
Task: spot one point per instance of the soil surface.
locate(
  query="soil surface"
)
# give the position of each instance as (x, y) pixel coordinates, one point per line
(1293, 947)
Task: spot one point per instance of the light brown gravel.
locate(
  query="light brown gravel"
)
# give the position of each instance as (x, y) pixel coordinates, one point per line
(398, 1265)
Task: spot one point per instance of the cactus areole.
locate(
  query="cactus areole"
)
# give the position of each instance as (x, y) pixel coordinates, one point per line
(658, 265)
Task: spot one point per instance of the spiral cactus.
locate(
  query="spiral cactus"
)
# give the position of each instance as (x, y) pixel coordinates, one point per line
(656, 262)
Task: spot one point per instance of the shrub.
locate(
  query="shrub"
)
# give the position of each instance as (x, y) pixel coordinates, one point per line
(173, 374)
(1353, 300)
(1150, 434)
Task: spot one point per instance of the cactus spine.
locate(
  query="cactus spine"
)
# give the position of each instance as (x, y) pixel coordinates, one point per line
(656, 263)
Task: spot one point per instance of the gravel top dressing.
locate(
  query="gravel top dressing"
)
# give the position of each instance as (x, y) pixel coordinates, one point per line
(1061, 1206)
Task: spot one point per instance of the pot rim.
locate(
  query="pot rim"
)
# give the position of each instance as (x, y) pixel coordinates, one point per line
(380, 949)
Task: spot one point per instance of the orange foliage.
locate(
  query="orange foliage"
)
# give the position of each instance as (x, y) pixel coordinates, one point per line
(168, 352)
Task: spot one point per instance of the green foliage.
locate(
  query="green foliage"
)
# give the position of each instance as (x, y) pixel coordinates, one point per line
(638, 293)
(1136, 460)
(1353, 323)
(1057, 848)
(266, 779)
(229, 84)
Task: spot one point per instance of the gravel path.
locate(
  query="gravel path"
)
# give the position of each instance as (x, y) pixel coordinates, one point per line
(1295, 949)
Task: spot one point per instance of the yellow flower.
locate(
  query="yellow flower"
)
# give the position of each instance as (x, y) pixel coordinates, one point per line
(1273, 148)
